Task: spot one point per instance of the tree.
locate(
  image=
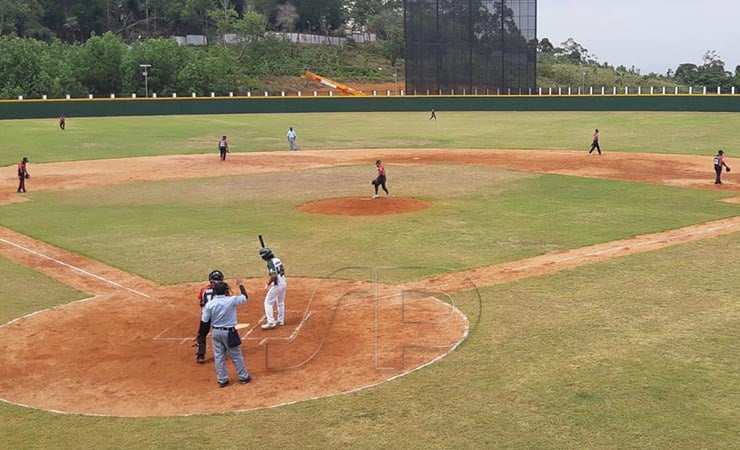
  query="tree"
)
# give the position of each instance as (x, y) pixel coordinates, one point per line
(252, 25)
(224, 17)
(167, 59)
(575, 52)
(21, 17)
(99, 64)
(388, 25)
(687, 73)
(362, 11)
(318, 15)
(545, 46)
(287, 16)
(196, 11)
(215, 70)
(72, 25)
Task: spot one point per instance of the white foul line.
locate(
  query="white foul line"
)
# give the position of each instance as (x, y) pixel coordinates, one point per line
(83, 271)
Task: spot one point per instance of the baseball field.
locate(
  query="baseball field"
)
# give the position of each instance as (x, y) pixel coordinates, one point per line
(513, 291)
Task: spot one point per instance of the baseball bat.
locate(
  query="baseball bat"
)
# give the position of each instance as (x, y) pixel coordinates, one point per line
(262, 241)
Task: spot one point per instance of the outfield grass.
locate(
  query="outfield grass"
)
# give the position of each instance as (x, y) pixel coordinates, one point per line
(172, 232)
(641, 351)
(116, 137)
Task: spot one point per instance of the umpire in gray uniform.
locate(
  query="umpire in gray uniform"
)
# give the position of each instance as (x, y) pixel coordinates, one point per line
(221, 311)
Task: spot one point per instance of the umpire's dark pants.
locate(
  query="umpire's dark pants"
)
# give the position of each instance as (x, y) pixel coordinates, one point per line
(718, 171)
(223, 154)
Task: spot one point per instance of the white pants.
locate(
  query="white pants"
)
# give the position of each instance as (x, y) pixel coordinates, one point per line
(276, 293)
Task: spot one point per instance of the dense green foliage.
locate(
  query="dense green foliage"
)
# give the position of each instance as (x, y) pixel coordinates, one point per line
(106, 65)
(571, 64)
(94, 47)
(76, 20)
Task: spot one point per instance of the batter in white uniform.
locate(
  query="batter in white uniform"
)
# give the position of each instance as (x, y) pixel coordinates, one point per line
(276, 286)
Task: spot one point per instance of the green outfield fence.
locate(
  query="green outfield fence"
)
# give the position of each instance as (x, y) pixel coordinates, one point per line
(37, 109)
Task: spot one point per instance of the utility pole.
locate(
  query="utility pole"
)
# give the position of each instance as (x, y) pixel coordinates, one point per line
(146, 81)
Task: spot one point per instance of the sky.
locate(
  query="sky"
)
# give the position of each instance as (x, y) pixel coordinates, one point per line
(652, 35)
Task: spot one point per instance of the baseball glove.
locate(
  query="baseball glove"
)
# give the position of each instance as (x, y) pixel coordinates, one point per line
(28, 176)
(728, 169)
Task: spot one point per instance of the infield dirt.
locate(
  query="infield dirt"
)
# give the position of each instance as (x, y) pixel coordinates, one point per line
(127, 352)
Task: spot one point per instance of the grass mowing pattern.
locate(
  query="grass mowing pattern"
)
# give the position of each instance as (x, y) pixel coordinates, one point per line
(640, 351)
(120, 137)
(173, 232)
(26, 291)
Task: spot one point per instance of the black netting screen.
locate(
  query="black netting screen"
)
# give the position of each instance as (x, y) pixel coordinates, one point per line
(484, 45)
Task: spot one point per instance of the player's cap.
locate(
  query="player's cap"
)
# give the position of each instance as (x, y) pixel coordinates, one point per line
(25, 159)
(265, 253)
(721, 152)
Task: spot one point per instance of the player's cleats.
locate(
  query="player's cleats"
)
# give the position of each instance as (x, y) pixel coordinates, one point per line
(269, 325)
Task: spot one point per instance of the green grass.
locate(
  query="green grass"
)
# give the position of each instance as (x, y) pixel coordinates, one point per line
(117, 137)
(26, 291)
(174, 232)
(640, 351)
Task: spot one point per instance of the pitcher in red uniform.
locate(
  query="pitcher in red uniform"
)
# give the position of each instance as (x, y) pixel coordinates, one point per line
(719, 162)
(380, 180)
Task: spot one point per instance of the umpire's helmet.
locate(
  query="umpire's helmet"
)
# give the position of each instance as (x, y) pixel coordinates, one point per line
(266, 253)
(216, 275)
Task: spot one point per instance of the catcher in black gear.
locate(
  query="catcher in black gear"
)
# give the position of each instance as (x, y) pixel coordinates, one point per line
(206, 294)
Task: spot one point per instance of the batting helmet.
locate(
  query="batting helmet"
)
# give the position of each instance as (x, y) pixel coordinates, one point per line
(216, 275)
(265, 253)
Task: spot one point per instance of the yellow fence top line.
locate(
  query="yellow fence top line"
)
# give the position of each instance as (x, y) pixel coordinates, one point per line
(311, 97)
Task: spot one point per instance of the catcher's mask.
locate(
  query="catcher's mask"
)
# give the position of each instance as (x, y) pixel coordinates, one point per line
(216, 275)
(265, 253)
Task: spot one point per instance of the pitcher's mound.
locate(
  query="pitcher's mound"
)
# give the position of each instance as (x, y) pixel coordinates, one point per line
(365, 206)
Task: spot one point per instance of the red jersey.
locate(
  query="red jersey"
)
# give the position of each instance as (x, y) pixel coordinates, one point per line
(381, 171)
(596, 136)
(22, 169)
(206, 294)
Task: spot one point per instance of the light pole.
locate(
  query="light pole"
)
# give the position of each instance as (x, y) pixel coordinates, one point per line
(584, 82)
(145, 72)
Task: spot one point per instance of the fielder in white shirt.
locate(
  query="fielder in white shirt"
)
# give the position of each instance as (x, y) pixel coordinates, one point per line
(291, 138)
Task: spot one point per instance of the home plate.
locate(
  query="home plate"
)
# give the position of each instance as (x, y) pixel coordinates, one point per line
(239, 326)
